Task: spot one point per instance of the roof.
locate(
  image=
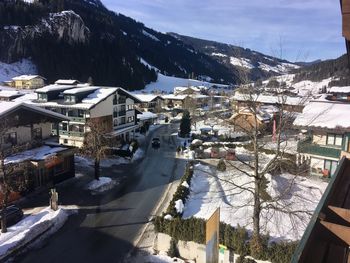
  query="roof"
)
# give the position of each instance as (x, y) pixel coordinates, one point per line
(340, 89)
(67, 82)
(27, 97)
(174, 97)
(27, 77)
(55, 87)
(324, 114)
(10, 93)
(99, 95)
(270, 99)
(147, 97)
(36, 154)
(8, 107)
(80, 89)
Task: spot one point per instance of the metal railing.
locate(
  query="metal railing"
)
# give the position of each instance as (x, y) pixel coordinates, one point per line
(316, 149)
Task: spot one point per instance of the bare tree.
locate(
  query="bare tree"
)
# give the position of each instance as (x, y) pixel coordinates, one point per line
(256, 167)
(95, 143)
(13, 174)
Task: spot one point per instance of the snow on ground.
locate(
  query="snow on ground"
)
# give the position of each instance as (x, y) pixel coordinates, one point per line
(101, 185)
(288, 146)
(149, 35)
(22, 67)
(162, 259)
(138, 155)
(219, 126)
(167, 83)
(218, 54)
(307, 87)
(241, 62)
(297, 193)
(30, 227)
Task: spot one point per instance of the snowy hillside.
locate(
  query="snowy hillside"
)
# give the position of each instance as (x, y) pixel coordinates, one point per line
(167, 83)
(23, 67)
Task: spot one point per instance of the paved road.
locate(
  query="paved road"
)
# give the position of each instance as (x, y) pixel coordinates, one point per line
(106, 228)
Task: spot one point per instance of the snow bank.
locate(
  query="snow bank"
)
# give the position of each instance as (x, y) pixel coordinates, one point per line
(22, 67)
(162, 259)
(31, 228)
(104, 184)
(138, 155)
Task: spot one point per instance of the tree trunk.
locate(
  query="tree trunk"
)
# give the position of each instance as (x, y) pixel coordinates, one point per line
(3, 220)
(97, 169)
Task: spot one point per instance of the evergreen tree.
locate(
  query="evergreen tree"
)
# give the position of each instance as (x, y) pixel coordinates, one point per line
(185, 125)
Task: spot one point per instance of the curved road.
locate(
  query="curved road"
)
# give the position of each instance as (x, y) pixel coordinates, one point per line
(108, 224)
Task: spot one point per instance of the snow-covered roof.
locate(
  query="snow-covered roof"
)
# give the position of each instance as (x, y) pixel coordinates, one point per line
(99, 95)
(80, 89)
(146, 97)
(66, 82)
(174, 97)
(331, 115)
(36, 154)
(27, 77)
(269, 99)
(26, 97)
(54, 87)
(9, 93)
(8, 106)
(147, 116)
(340, 89)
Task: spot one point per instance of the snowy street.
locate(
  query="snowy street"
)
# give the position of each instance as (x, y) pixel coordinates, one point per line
(116, 216)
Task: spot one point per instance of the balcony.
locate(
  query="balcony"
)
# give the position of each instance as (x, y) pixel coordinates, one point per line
(77, 119)
(321, 150)
(71, 133)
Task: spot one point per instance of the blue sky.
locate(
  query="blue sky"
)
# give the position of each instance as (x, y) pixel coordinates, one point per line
(297, 30)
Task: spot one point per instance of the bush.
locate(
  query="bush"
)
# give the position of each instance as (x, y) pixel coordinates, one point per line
(173, 250)
(221, 167)
(243, 259)
(281, 252)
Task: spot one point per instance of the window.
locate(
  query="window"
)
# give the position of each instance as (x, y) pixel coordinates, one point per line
(64, 126)
(42, 96)
(10, 138)
(81, 113)
(130, 107)
(131, 119)
(37, 134)
(331, 166)
(63, 111)
(334, 139)
(69, 98)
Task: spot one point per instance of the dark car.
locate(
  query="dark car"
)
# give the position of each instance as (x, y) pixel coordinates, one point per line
(155, 142)
(14, 214)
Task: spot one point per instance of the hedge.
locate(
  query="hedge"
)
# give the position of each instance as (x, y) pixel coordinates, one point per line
(236, 239)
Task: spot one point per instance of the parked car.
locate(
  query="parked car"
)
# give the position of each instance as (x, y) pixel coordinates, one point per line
(155, 142)
(14, 214)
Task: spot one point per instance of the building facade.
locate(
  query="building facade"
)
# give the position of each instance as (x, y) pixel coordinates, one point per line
(28, 82)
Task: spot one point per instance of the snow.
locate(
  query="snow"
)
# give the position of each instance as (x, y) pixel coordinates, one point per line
(324, 114)
(339, 89)
(55, 87)
(241, 62)
(149, 35)
(80, 89)
(98, 95)
(26, 77)
(24, 66)
(101, 185)
(185, 184)
(167, 83)
(29, 228)
(162, 259)
(179, 206)
(146, 97)
(219, 126)
(270, 99)
(297, 194)
(218, 54)
(168, 217)
(144, 62)
(36, 154)
(9, 93)
(147, 115)
(138, 155)
(66, 82)
(281, 68)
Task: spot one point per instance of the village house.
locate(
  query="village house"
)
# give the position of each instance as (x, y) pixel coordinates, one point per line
(291, 104)
(328, 131)
(28, 82)
(189, 90)
(26, 142)
(149, 102)
(9, 95)
(111, 106)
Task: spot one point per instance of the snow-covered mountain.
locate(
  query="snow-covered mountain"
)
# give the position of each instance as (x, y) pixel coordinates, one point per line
(256, 64)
